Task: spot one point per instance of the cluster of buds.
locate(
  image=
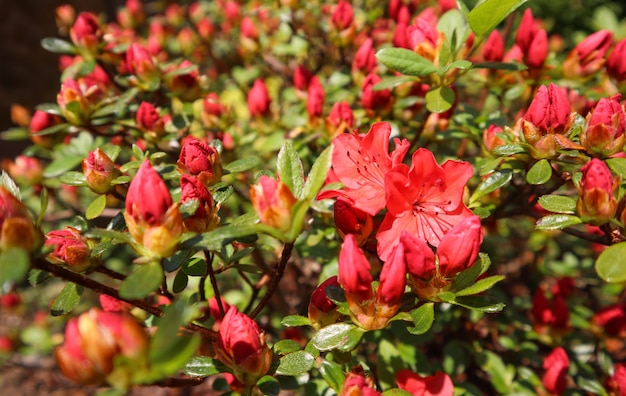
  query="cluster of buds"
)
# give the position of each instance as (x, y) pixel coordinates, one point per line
(17, 229)
(103, 346)
(550, 314)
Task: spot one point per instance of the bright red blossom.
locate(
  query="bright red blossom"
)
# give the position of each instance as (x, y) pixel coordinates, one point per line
(556, 364)
(438, 384)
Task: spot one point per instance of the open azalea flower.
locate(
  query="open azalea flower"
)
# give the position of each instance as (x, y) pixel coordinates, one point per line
(425, 200)
(361, 162)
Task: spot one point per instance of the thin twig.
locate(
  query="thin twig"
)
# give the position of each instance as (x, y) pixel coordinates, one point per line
(280, 270)
(109, 272)
(216, 290)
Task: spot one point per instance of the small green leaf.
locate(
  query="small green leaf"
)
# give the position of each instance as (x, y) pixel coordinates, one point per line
(461, 64)
(215, 239)
(317, 175)
(480, 286)
(52, 130)
(284, 347)
(423, 318)
(617, 165)
(14, 263)
(96, 207)
(610, 265)
(558, 203)
(406, 62)
(509, 149)
(500, 66)
(295, 321)
(243, 164)
(143, 281)
(290, 169)
(10, 185)
(180, 282)
(467, 277)
(61, 165)
(268, 385)
(492, 364)
(557, 222)
(493, 182)
(539, 173)
(333, 375)
(201, 366)
(440, 99)
(195, 267)
(334, 336)
(487, 15)
(484, 304)
(390, 82)
(57, 45)
(295, 363)
(66, 300)
(396, 392)
(72, 178)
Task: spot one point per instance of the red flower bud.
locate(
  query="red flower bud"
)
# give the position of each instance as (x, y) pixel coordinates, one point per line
(155, 223)
(76, 101)
(25, 170)
(616, 62)
(86, 32)
(342, 15)
(493, 51)
(420, 257)
(526, 31)
(315, 99)
(532, 40)
(215, 312)
(423, 38)
(241, 346)
(17, 229)
(258, 99)
(272, 200)
(375, 100)
(301, 78)
(149, 120)
(612, 320)
(99, 171)
(200, 160)
(340, 119)
(556, 364)
(365, 57)
(597, 201)
(588, 56)
(350, 220)
(606, 124)
(145, 73)
(249, 29)
(392, 282)
(112, 304)
(185, 85)
(438, 384)
(354, 272)
(459, 247)
(65, 16)
(205, 217)
(212, 106)
(550, 110)
(70, 248)
(356, 384)
(322, 310)
(553, 313)
(491, 140)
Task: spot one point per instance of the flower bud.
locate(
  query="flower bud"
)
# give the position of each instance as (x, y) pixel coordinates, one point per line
(611, 320)
(350, 220)
(25, 170)
(216, 313)
(556, 364)
(532, 41)
(86, 33)
(365, 58)
(342, 16)
(606, 124)
(212, 109)
(437, 384)
(132, 15)
(17, 229)
(301, 78)
(70, 249)
(552, 313)
(493, 51)
(424, 39)
(155, 223)
(596, 200)
(145, 74)
(340, 119)
(354, 272)
(615, 64)
(491, 140)
(65, 16)
(322, 310)
(358, 385)
(258, 99)
(112, 304)
(588, 56)
(459, 247)
(200, 160)
(205, 217)
(272, 200)
(375, 101)
(40, 121)
(315, 99)
(185, 85)
(93, 343)
(76, 101)
(99, 171)
(241, 346)
(149, 121)
(392, 283)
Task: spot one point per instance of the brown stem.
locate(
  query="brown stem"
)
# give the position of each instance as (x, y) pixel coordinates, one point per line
(109, 272)
(419, 132)
(278, 274)
(216, 290)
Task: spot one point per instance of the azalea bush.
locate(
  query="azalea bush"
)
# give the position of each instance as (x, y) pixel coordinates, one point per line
(418, 198)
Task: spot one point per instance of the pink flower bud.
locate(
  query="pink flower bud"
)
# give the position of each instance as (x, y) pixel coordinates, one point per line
(301, 78)
(549, 110)
(459, 247)
(375, 100)
(491, 140)
(438, 384)
(597, 200)
(350, 220)
(154, 223)
(354, 273)
(25, 170)
(616, 62)
(555, 377)
(145, 74)
(205, 217)
(342, 15)
(493, 51)
(423, 38)
(532, 40)
(65, 17)
(70, 248)
(315, 99)
(340, 119)
(272, 201)
(606, 124)
(526, 31)
(86, 32)
(365, 57)
(17, 229)
(356, 384)
(420, 257)
(588, 56)
(322, 310)
(99, 171)
(258, 99)
(200, 160)
(241, 346)
(248, 28)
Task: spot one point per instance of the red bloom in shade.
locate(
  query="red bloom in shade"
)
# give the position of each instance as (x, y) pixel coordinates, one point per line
(493, 51)
(258, 99)
(438, 384)
(374, 100)
(350, 220)
(425, 200)
(200, 160)
(342, 15)
(360, 162)
(612, 319)
(315, 98)
(616, 62)
(606, 126)
(301, 78)
(553, 313)
(556, 365)
(365, 57)
(340, 119)
(356, 384)
(588, 56)
(597, 200)
(322, 310)
(354, 272)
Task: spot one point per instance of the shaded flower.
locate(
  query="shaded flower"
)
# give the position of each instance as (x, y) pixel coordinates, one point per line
(616, 62)
(438, 384)
(553, 312)
(322, 310)
(555, 365)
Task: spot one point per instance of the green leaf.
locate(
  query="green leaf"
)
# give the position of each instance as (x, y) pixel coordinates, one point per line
(295, 363)
(7, 182)
(405, 61)
(333, 375)
(295, 321)
(617, 165)
(558, 203)
(52, 130)
(557, 222)
(96, 207)
(396, 392)
(284, 347)
(174, 262)
(461, 64)
(119, 104)
(243, 164)
(201, 366)
(214, 240)
(14, 263)
(66, 300)
(493, 182)
(143, 281)
(440, 99)
(317, 175)
(494, 366)
(467, 277)
(390, 82)
(488, 14)
(57, 45)
(480, 286)
(73, 179)
(180, 282)
(423, 318)
(290, 169)
(509, 149)
(341, 336)
(61, 165)
(500, 66)
(14, 134)
(610, 265)
(195, 267)
(268, 385)
(484, 304)
(539, 173)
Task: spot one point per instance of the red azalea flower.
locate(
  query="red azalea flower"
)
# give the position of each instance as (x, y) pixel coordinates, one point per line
(556, 365)
(360, 162)
(438, 384)
(425, 200)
